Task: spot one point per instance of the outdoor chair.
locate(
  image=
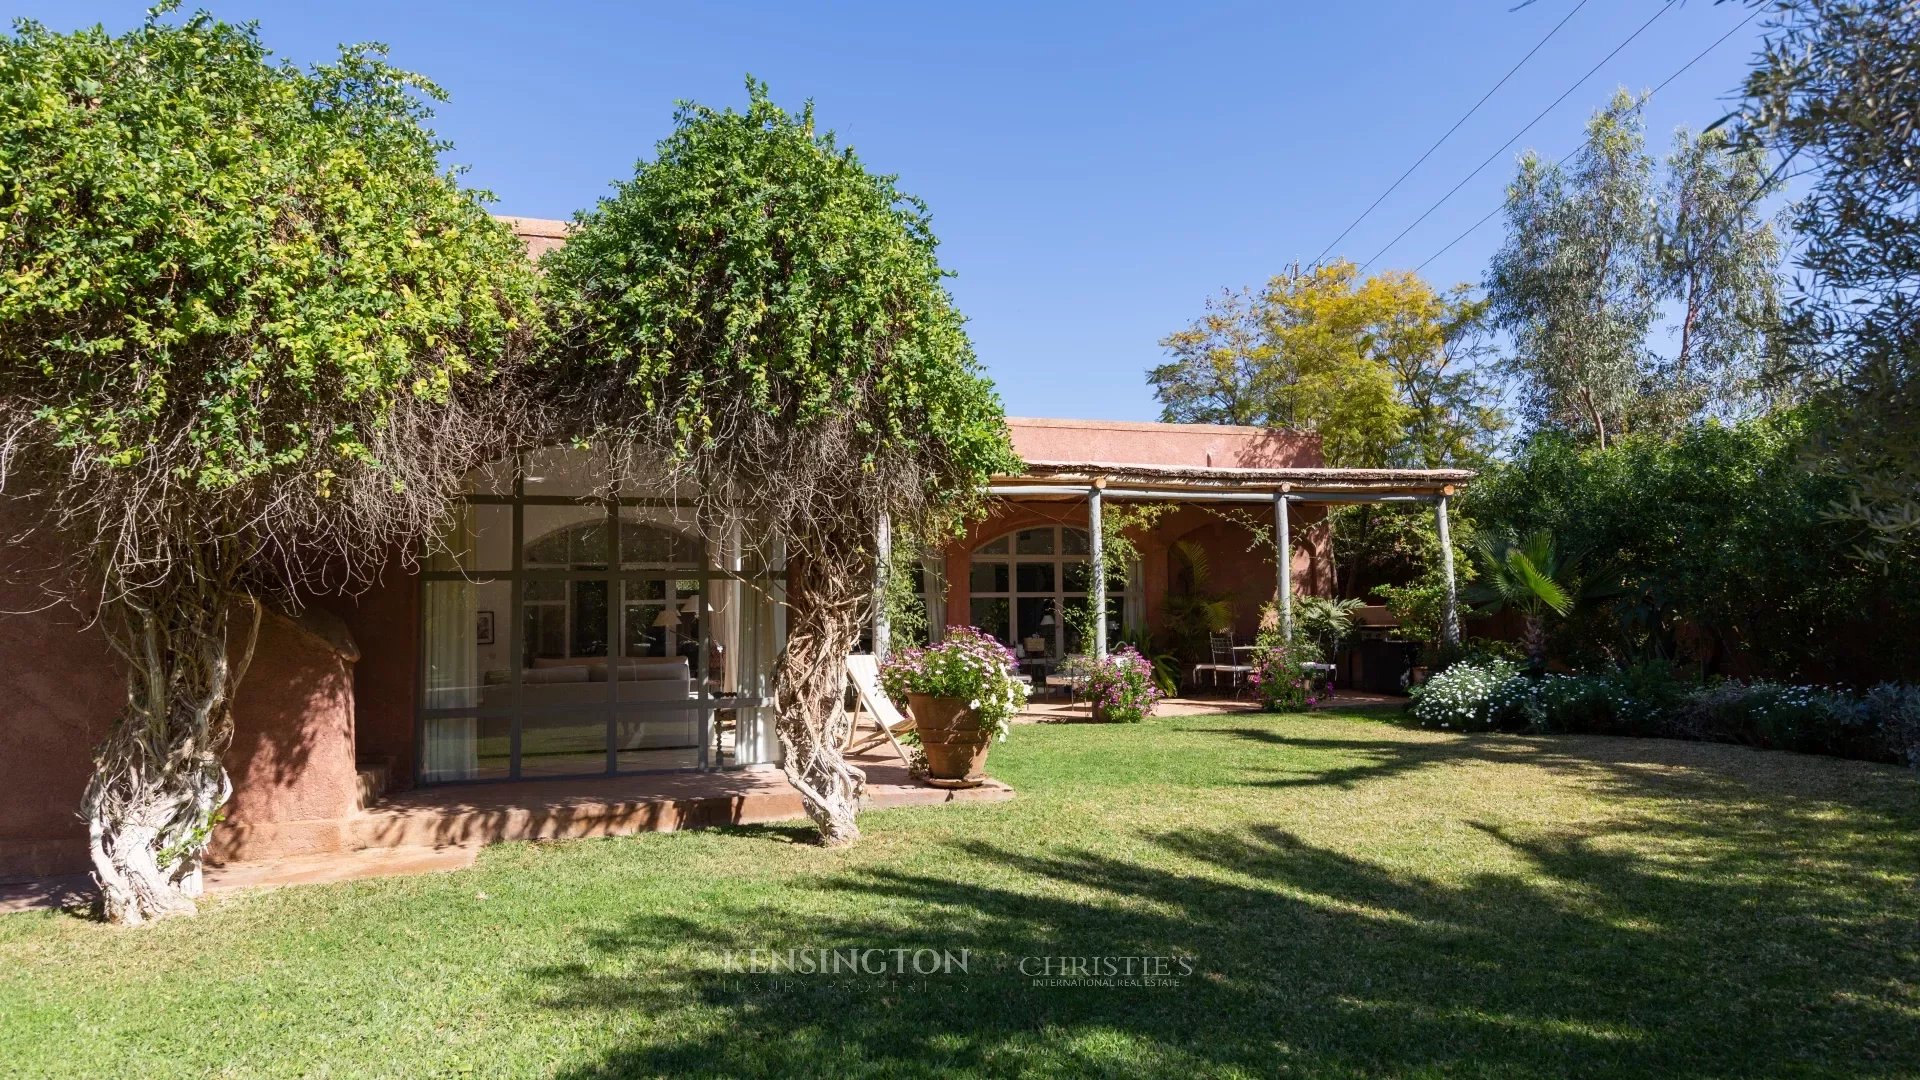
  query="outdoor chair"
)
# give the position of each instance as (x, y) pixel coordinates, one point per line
(887, 722)
(1220, 648)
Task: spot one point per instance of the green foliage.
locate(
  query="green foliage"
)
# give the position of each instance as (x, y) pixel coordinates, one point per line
(1321, 623)
(1833, 93)
(1280, 679)
(1596, 253)
(966, 665)
(252, 335)
(758, 308)
(906, 611)
(1649, 700)
(230, 271)
(1192, 611)
(1166, 663)
(1384, 369)
(1124, 687)
(1722, 544)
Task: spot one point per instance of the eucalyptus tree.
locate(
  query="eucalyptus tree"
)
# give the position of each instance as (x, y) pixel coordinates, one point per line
(757, 321)
(1575, 282)
(1834, 93)
(1600, 250)
(251, 336)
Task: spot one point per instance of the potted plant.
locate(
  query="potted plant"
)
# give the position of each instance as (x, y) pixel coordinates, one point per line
(962, 694)
(1122, 688)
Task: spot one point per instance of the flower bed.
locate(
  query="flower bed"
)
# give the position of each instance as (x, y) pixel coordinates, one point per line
(1881, 725)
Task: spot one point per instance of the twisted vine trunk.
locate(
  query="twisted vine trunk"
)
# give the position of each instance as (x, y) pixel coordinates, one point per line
(826, 595)
(158, 782)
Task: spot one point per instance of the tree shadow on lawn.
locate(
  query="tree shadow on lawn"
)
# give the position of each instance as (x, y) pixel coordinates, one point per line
(1745, 941)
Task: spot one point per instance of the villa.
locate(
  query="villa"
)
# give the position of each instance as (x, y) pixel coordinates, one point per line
(571, 639)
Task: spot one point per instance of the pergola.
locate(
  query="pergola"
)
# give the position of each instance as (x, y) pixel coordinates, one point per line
(1280, 487)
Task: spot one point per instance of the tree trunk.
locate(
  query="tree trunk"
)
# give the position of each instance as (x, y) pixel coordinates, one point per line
(1533, 638)
(159, 782)
(827, 591)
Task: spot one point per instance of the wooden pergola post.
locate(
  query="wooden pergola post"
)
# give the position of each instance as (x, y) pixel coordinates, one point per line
(882, 563)
(1097, 556)
(1449, 612)
(1283, 556)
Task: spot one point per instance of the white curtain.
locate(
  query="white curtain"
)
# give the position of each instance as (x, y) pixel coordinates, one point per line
(452, 682)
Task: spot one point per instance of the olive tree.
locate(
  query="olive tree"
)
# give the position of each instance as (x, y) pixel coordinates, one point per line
(1833, 93)
(759, 322)
(251, 335)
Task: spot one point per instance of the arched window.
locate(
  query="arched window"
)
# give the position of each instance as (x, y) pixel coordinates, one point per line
(1029, 589)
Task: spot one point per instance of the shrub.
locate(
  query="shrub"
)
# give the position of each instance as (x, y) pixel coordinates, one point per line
(1122, 686)
(1893, 710)
(1781, 717)
(1464, 697)
(1281, 681)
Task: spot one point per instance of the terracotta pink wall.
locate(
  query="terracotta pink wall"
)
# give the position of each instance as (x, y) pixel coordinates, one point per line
(58, 690)
(294, 753)
(385, 620)
(1139, 443)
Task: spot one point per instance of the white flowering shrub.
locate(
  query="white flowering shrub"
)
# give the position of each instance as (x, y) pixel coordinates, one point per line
(1463, 697)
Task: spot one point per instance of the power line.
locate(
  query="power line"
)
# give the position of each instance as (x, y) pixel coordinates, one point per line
(1721, 40)
(1516, 135)
(1391, 188)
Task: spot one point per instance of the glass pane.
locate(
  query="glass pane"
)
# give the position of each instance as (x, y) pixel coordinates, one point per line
(451, 617)
(998, 547)
(565, 745)
(1074, 542)
(465, 748)
(1076, 608)
(1036, 624)
(988, 577)
(1034, 577)
(1075, 577)
(1034, 542)
(567, 472)
(565, 537)
(991, 617)
(587, 619)
(646, 543)
(479, 538)
(657, 739)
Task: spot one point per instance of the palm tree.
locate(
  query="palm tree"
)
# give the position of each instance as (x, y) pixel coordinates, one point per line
(1530, 576)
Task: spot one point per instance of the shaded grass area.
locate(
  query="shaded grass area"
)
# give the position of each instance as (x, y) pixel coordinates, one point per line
(1355, 898)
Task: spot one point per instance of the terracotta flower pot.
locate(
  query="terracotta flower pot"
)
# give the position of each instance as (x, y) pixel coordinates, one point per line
(952, 737)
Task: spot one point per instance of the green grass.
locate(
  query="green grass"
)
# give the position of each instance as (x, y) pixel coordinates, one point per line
(1357, 898)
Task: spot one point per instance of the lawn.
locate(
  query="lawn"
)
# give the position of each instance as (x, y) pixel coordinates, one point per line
(1353, 897)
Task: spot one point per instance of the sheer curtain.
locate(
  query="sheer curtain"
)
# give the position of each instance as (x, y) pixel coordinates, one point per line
(452, 676)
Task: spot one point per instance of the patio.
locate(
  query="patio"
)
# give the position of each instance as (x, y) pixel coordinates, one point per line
(441, 828)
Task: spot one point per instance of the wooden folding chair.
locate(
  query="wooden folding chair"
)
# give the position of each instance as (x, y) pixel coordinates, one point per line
(887, 722)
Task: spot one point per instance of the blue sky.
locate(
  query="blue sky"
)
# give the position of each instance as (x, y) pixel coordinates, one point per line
(1095, 171)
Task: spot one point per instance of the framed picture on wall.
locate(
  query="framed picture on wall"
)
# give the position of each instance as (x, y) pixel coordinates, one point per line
(483, 625)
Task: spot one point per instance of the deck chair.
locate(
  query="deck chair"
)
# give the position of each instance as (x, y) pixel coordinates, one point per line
(887, 723)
